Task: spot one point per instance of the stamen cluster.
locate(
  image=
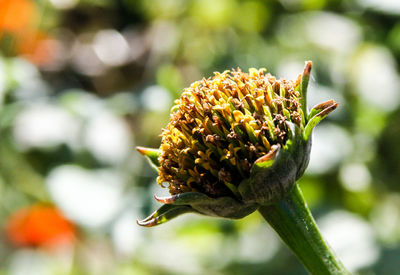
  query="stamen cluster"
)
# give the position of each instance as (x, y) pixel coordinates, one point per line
(221, 125)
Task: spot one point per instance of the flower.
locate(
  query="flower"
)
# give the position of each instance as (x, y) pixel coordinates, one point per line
(20, 32)
(17, 15)
(39, 225)
(234, 142)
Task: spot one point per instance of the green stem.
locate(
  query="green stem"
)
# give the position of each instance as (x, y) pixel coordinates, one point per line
(292, 220)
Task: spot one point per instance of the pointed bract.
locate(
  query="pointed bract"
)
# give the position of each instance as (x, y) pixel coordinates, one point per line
(165, 213)
(151, 154)
(317, 118)
(320, 107)
(305, 77)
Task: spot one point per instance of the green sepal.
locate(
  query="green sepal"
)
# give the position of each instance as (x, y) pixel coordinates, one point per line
(151, 154)
(266, 160)
(184, 198)
(273, 175)
(233, 188)
(225, 207)
(294, 133)
(271, 182)
(165, 213)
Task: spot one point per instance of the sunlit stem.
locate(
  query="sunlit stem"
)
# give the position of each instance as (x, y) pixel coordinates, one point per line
(292, 220)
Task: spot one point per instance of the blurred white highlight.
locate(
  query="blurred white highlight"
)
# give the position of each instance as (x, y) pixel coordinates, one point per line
(355, 177)
(108, 138)
(351, 238)
(252, 248)
(290, 68)
(30, 262)
(111, 47)
(387, 6)
(44, 126)
(376, 78)
(386, 218)
(156, 98)
(64, 4)
(331, 144)
(37, 262)
(333, 32)
(88, 197)
(126, 234)
(84, 59)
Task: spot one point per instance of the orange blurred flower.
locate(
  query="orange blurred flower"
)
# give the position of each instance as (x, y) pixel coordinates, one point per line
(17, 15)
(39, 225)
(19, 19)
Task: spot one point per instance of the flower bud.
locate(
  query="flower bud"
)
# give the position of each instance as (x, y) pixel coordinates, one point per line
(234, 142)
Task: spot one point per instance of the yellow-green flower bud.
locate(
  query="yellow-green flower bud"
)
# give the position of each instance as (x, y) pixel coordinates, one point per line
(235, 141)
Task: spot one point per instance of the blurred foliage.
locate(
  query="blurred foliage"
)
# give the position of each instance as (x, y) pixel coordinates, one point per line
(84, 81)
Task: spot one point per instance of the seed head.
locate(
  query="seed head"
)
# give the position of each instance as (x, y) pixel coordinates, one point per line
(221, 125)
(235, 141)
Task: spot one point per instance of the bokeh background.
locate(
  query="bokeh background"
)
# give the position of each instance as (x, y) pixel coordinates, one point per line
(82, 82)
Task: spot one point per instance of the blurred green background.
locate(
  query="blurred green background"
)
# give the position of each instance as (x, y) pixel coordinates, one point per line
(82, 82)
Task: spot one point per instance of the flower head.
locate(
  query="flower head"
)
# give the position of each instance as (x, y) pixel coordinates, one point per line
(234, 141)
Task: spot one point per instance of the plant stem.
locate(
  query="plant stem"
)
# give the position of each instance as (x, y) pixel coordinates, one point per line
(292, 220)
